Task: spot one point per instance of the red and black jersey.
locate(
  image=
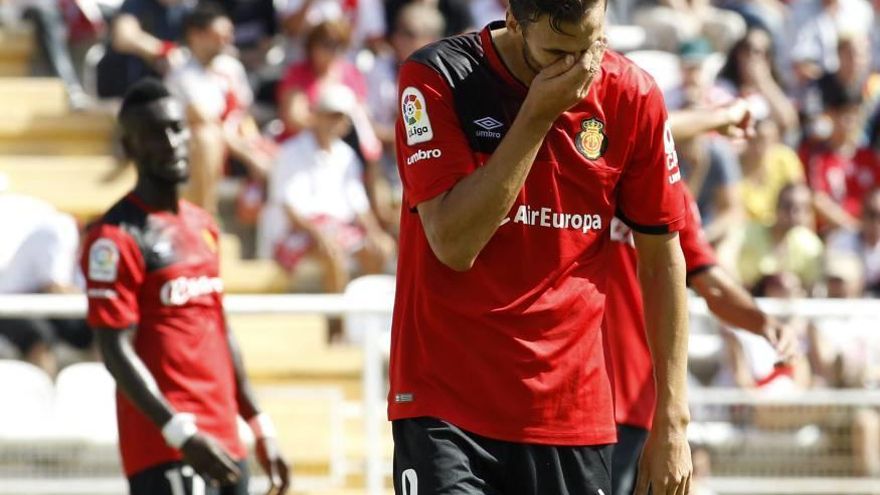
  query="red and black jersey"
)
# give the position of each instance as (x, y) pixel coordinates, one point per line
(626, 342)
(512, 349)
(159, 272)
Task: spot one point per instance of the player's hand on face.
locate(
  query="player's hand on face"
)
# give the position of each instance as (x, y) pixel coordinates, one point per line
(564, 83)
(210, 460)
(665, 466)
(784, 340)
(274, 465)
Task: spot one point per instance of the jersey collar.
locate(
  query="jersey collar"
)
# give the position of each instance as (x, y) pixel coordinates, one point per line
(495, 62)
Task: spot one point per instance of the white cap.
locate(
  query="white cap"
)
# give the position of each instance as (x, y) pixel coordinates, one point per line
(335, 98)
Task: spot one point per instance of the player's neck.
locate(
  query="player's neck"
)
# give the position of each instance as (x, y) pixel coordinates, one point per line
(510, 49)
(163, 196)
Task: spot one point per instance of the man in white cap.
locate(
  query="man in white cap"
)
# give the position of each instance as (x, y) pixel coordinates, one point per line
(317, 202)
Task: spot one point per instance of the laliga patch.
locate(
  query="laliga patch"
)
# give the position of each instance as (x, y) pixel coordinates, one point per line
(414, 112)
(591, 141)
(103, 261)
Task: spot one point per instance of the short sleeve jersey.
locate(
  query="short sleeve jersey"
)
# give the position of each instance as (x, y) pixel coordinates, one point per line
(159, 272)
(512, 349)
(628, 355)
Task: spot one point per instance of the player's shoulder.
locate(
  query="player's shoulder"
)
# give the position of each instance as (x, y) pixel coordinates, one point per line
(198, 214)
(122, 217)
(624, 77)
(454, 58)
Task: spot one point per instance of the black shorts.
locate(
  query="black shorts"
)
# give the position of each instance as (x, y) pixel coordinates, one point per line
(176, 478)
(433, 457)
(625, 462)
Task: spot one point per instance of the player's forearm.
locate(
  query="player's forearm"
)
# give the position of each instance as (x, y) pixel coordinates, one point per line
(132, 376)
(662, 278)
(460, 222)
(729, 301)
(245, 397)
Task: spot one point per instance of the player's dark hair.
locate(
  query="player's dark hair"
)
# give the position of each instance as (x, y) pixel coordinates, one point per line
(202, 16)
(142, 93)
(558, 11)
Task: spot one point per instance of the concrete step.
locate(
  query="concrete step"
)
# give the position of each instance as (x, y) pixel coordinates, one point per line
(33, 96)
(70, 134)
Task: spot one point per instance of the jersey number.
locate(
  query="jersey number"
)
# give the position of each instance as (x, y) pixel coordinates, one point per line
(175, 479)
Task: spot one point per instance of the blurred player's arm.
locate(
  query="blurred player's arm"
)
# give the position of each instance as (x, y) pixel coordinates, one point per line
(665, 465)
(460, 222)
(268, 453)
(137, 383)
(730, 302)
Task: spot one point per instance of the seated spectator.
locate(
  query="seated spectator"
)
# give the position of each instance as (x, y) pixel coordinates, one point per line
(456, 13)
(767, 166)
(256, 24)
(38, 254)
(317, 201)
(669, 23)
(789, 244)
(816, 26)
(213, 87)
(143, 42)
(485, 11)
(712, 172)
(750, 73)
(325, 63)
(864, 243)
(364, 19)
(417, 25)
(838, 171)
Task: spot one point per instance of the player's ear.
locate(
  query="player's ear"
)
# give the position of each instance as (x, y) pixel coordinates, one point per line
(511, 22)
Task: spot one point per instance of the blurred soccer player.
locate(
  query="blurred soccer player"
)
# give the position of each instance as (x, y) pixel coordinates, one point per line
(516, 146)
(155, 303)
(628, 346)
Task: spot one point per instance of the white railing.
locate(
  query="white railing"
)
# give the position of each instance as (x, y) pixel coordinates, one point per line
(373, 381)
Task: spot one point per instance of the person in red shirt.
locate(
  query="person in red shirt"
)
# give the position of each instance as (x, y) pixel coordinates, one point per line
(155, 304)
(516, 147)
(626, 343)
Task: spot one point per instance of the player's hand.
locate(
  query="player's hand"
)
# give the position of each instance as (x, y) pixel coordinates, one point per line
(210, 460)
(665, 466)
(783, 339)
(564, 83)
(274, 465)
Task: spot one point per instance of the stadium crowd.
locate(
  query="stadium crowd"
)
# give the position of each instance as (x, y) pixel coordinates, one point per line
(295, 102)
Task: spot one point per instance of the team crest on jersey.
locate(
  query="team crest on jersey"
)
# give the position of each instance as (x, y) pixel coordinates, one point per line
(591, 141)
(209, 240)
(103, 260)
(414, 112)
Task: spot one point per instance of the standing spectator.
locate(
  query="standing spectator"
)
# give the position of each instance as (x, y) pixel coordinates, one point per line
(417, 25)
(767, 166)
(712, 172)
(317, 201)
(214, 89)
(143, 42)
(789, 244)
(838, 171)
(864, 243)
(325, 63)
(750, 73)
(669, 23)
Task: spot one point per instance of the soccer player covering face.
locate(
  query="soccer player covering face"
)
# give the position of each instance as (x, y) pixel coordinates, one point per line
(155, 303)
(516, 147)
(629, 348)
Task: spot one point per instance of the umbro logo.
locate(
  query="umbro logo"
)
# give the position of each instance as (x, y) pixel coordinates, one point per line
(488, 123)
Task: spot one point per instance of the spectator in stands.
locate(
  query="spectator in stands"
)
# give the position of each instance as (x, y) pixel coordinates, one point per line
(789, 244)
(750, 73)
(767, 166)
(317, 201)
(456, 13)
(214, 89)
(417, 25)
(864, 243)
(143, 42)
(485, 11)
(816, 28)
(51, 34)
(38, 254)
(838, 171)
(712, 172)
(326, 63)
(256, 24)
(669, 23)
(364, 19)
